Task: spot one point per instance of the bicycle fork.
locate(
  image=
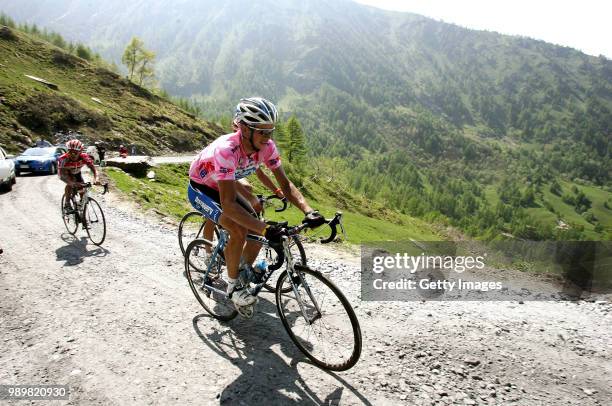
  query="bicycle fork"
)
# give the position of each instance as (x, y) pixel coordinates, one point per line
(291, 275)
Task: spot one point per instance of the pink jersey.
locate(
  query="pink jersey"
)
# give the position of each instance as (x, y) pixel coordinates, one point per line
(225, 159)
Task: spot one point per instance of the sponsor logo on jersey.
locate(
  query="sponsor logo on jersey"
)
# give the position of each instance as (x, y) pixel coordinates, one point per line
(244, 172)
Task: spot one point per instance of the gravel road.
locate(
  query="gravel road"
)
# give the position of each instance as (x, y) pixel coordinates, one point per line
(119, 325)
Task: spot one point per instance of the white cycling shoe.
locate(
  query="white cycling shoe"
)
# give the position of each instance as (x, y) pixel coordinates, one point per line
(242, 298)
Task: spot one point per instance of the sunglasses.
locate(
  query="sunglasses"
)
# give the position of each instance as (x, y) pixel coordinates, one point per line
(73, 152)
(263, 131)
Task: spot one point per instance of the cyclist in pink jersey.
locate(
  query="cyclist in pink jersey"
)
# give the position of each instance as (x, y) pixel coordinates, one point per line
(245, 191)
(214, 188)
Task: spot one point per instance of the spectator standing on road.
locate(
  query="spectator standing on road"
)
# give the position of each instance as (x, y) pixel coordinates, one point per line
(101, 150)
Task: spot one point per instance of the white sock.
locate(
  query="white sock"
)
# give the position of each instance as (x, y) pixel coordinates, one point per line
(231, 282)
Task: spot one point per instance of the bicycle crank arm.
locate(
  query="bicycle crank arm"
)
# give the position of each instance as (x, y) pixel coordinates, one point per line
(211, 289)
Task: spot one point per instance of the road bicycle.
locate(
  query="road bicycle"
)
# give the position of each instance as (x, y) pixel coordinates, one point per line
(316, 314)
(87, 212)
(192, 227)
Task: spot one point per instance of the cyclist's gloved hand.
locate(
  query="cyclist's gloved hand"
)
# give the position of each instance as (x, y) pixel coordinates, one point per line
(314, 219)
(274, 233)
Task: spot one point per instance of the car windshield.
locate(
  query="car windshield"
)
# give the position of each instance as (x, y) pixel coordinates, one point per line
(39, 151)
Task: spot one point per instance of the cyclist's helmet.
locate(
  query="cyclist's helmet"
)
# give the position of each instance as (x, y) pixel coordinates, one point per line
(255, 111)
(74, 145)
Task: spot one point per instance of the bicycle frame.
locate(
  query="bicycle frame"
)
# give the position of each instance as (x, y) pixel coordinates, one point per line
(290, 269)
(86, 196)
(223, 239)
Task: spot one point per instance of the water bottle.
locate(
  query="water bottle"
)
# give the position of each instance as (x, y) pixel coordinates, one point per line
(260, 269)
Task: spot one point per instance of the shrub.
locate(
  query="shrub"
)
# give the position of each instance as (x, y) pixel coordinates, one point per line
(7, 33)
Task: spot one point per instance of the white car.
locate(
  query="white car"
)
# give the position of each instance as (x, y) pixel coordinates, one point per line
(7, 171)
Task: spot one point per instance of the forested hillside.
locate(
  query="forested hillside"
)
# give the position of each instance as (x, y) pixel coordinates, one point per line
(491, 133)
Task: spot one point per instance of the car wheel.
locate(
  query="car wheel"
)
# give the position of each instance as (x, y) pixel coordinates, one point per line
(53, 169)
(9, 186)
(17, 173)
(14, 180)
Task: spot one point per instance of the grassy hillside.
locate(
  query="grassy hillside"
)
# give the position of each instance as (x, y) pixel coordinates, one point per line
(93, 100)
(363, 220)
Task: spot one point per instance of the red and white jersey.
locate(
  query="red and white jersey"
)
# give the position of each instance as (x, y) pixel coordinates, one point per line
(65, 163)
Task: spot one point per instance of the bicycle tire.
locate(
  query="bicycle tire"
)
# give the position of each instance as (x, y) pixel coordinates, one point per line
(215, 304)
(184, 221)
(98, 218)
(271, 284)
(317, 283)
(70, 219)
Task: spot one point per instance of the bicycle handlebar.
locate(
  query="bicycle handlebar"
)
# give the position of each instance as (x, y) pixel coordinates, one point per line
(333, 225)
(89, 184)
(263, 200)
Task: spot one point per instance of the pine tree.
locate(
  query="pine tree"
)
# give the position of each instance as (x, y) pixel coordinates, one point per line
(83, 52)
(281, 139)
(297, 142)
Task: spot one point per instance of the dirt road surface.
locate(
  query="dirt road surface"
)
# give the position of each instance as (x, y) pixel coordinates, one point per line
(119, 325)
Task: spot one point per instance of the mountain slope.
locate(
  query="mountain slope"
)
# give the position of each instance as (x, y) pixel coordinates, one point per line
(220, 49)
(95, 101)
(464, 127)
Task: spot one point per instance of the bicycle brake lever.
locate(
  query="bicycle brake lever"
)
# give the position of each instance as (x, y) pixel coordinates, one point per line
(333, 223)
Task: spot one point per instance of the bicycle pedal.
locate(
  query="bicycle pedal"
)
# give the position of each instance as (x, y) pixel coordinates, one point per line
(246, 311)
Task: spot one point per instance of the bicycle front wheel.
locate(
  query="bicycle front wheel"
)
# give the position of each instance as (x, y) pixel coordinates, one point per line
(203, 281)
(319, 319)
(70, 217)
(94, 222)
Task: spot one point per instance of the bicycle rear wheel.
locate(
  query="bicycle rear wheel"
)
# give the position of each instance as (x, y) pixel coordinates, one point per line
(70, 218)
(94, 222)
(197, 260)
(319, 319)
(299, 256)
(190, 228)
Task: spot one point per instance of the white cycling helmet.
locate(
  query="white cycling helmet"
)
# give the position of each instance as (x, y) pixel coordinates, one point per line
(255, 111)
